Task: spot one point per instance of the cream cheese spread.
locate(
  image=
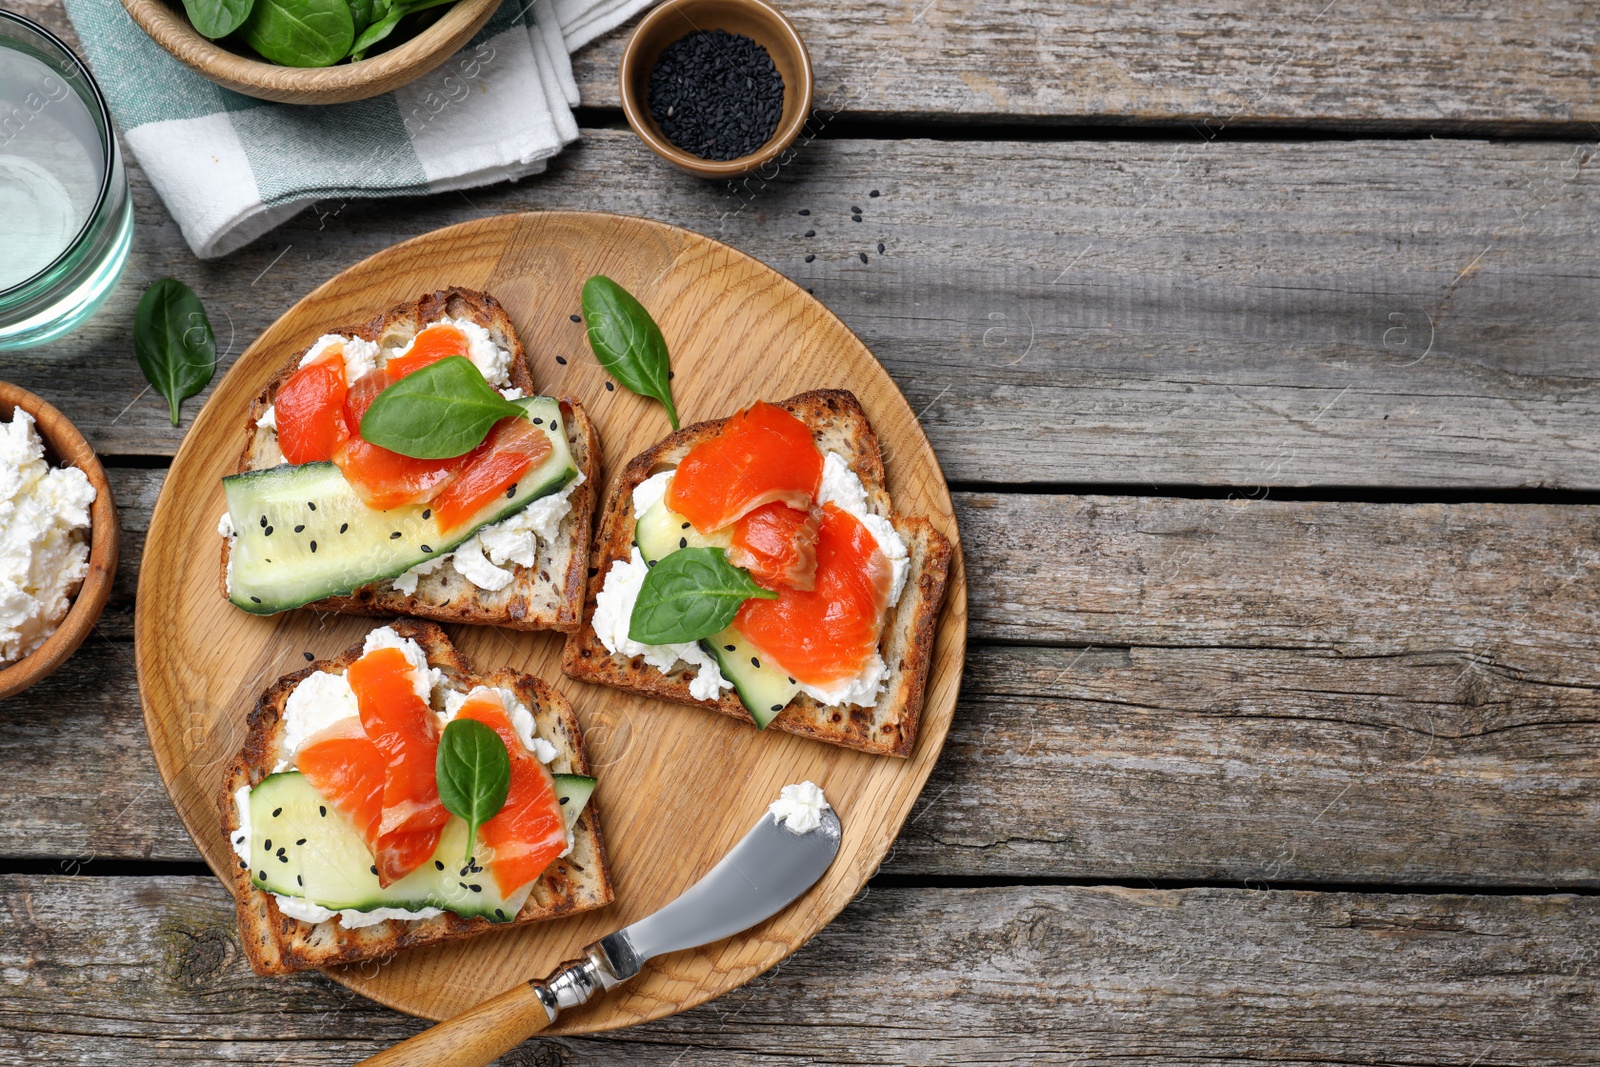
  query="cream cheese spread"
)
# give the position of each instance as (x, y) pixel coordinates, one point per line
(44, 549)
(799, 807)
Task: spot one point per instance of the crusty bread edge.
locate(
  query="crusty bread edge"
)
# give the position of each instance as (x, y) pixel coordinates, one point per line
(586, 658)
(581, 437)
(263, 927)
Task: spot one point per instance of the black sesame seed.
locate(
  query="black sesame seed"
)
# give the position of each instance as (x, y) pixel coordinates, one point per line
(427, 513)
(475, 887)
(855, 218)
(322, 810)
(301, 841)
(373, 868)
(439, 864)
(811, 233)
(499, 914)
(754, 662)
(269, 844)
(299, 880)
(555, 426)
(650, 562)
(463, 872)
(309, 657)
(301, 528)
(685, 526)
(312, 504)
(874, 193)
(810, 258)
(728, 647)
(243, 865)
(610, 388)
(463, 885)
(576, 318)
(275, 813)
(777, 707)
(791, 681)
(261, 875)
(863, 257)
(313, 546)
(395, 536)
(263, 520)
(854, 210)
(683, 542)
(561, 360)
(282, 858)
(565, 799)
(267, 532)
(427, 548)
(239, 840)
(880, 248)
(536, 422)
(343, 526)
(511, 492)
(805, 211)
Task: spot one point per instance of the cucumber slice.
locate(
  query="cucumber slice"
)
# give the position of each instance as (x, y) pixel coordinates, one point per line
(574, 791)
(302, 847)
(764, 689)
(304, 534)
(660, 531)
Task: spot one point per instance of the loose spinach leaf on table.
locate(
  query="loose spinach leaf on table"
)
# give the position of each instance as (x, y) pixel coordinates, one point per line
(690, 594)
(173, 342)
(444, 410)
(217, 18)
(627, 341)
(300, 33)
(473, 769)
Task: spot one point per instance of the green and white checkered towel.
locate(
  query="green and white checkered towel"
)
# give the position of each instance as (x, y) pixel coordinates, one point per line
(230, 167)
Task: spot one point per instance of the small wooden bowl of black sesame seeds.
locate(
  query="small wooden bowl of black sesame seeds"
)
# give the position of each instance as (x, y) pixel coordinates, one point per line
(720, 88)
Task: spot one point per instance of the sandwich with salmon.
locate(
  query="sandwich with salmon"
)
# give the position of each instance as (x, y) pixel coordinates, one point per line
(346, 817)
(489, 526)
(755, 566)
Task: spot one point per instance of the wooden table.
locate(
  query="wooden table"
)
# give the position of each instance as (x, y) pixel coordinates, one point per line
(1259, 344)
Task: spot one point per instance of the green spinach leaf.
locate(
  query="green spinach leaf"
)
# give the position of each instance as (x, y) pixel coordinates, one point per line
(690, 594)
(300, 33)
(473, 768)
(217, 18)
(385, 20)
(444, 410)
(360, 15)
(173, 342)
(627, 341)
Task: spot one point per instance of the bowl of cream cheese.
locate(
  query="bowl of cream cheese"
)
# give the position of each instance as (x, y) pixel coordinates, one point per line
(58, 539)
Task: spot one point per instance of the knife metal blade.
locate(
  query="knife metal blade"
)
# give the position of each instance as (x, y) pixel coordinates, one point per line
(758, 878)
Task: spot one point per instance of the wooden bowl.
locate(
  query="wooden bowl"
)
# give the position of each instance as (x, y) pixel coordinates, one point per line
(339, 84)
(763, 24)
(64, 444)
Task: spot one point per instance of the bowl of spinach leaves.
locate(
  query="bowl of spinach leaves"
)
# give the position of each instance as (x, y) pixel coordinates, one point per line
(311, 51)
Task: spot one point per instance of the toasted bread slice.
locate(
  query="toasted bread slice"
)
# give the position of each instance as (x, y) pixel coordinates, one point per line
(888, 728)
(546, 596)
(277, 944)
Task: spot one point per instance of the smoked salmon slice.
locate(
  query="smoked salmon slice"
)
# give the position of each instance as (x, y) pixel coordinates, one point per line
(761, 455)
(429, 346)
(777, 544)
(344, 765)
(386, 479)
(827, 633)
(406, 733)
(514, 447)
(530, 830)
(309, 409)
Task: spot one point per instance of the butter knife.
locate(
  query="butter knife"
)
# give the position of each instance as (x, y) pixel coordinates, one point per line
(758, 878)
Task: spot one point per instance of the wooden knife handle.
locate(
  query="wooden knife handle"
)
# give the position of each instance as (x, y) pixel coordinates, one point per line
(473, 1038)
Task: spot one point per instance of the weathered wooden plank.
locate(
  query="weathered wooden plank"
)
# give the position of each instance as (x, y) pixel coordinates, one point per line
(1255, 691)
(146, 971)
(1364, 65)
(1361, 64)
(1249, 314)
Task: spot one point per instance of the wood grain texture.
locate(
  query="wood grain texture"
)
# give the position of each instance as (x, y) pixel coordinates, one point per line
(738, 332)
(1304, 733)
(1330, 313)
(1028, 974)
(1362, 65)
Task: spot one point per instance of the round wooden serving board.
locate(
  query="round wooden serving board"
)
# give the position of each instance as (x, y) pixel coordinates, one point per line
(678, 785)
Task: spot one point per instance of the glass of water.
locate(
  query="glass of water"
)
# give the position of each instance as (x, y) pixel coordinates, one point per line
(66, 219)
